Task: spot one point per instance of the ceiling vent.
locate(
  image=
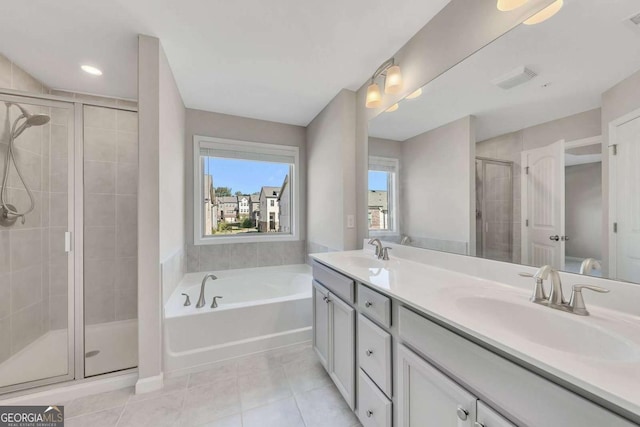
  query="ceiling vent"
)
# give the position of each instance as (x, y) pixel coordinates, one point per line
(514, 78)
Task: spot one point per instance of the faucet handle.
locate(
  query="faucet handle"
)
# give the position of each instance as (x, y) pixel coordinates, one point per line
(538, 295)
(385, 253)
(576, 303)
(214, 304)
(187, 301)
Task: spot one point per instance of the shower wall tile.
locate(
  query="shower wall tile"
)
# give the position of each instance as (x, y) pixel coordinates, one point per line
(127, 240)
(99, 117)
(26, 287)
(100, 177)
(100, 210)
(58, 275)
(26, 326)
(25, 248)
(127, 178)
(58, 311)
(56, 243)
(58, 209)
(127, 121)
(126, 298)
(214, 257)
(270, 253)
(31, 166)
(242, 255)
(59, 144)
(100, 144)
(5, 295)
(5, 72)
(99, 306)
(5, 248)
(127, 147)
(59, 175)
(99, 243)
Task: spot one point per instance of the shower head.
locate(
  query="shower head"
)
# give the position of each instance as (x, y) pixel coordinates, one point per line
(29, 119)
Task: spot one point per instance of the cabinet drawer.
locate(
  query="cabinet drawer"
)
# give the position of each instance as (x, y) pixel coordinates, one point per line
(375, 305)
(334, 281)
(374, 409)
(374, 353)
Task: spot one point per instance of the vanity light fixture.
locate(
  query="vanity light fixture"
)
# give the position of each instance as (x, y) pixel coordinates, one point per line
(415, 94)
(545, 13)
(91, 70)
(392, 83)
(393, 108)
(507, 5)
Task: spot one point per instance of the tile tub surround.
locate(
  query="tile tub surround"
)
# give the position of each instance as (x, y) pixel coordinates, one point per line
(32, 276)
(110, 174)
(283, 387)
(429, 282)
(244, 255)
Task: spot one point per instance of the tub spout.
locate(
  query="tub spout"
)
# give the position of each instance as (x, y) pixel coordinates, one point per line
(201, 301)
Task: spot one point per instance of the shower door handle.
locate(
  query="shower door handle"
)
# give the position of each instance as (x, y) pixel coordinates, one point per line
(67, 241)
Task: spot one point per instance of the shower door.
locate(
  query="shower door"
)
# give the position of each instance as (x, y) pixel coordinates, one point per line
(494, 215)
(36, 225)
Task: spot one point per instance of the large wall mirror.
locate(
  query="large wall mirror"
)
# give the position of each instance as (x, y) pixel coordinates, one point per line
(526, 152)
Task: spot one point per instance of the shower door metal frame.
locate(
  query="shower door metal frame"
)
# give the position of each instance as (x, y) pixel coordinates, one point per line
(75, 300)
(509, 164)
(72, 140)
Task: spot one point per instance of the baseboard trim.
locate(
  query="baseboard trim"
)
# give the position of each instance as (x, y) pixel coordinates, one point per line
(149, 384)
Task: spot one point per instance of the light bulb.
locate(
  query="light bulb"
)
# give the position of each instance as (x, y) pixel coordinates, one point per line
(393, 108)
(415, 94)
(507, 5)
(374, 97)
(91, 70)
(545, 13)
(393, 81)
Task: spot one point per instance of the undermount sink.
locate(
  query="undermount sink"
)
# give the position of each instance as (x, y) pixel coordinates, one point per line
(361, 261)
(549, 328)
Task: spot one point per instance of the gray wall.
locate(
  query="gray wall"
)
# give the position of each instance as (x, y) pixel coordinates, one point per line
(437, 187)
(583, 210)
(459, 30)
(331, 176)
(241, 255)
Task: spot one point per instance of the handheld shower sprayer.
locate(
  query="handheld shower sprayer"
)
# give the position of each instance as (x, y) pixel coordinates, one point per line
(8, 212)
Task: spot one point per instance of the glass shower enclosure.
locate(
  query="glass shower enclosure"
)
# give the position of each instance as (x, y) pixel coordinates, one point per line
(68, 248)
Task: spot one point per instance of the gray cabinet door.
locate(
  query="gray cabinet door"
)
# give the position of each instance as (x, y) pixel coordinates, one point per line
(487, 417)
(427, 398)
(321, 309)
(342, 347)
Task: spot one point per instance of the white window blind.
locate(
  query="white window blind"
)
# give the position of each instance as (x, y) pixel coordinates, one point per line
(383, 164)
(225, 151)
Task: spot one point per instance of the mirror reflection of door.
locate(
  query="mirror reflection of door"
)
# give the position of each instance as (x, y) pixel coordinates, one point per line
(543, 188)
(624, 257)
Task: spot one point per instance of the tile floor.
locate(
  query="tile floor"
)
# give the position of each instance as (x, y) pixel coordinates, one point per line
(281, 388)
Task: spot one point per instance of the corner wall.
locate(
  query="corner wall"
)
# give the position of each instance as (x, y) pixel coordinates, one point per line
(331, 186)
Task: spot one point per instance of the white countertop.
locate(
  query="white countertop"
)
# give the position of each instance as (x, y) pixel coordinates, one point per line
(440, 294)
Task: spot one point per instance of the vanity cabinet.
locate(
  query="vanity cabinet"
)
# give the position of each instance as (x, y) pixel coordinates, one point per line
(334, 338)
(427, 398)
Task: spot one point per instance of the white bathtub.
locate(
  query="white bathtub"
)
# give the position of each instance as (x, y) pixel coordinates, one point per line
(261, 309)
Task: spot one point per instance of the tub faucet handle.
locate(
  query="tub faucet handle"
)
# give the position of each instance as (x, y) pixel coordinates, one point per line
(187, 301)
(214, 304)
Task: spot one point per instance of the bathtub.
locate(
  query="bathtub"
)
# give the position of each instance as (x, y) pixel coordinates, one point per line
(261, 309)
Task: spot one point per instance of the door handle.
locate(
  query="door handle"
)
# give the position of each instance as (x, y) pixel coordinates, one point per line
(554, 238)
(564, 238)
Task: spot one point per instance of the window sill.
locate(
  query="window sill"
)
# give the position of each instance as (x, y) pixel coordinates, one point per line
(225, 240)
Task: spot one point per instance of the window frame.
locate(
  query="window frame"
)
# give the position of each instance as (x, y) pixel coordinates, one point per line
(200, 141)
(394, 164)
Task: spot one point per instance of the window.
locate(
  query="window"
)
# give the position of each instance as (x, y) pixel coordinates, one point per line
(382, 195)
(230, 176)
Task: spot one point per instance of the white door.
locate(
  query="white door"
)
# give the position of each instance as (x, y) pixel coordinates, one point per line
(487, 417)
(343, 359)
(625, 262)
(543, 239)
(321, 323)
(427, 398)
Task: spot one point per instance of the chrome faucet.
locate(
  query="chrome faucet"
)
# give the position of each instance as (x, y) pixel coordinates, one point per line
(378, 244)
(201, 301)
(588, 265)
(556, 299)
(406, 240)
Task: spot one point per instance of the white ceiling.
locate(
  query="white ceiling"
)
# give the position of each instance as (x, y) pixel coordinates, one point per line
(279, 60)
(582, 52)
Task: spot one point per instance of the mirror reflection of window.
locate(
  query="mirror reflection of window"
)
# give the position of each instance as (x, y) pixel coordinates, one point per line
(382, 193)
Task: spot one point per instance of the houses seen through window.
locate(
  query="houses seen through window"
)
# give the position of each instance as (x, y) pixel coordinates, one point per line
(245, 191)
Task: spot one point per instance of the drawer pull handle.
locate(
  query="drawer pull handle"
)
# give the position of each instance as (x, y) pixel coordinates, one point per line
(462, 413)
(369, 353)
(477, 424)
(369, 413)
(368, 304)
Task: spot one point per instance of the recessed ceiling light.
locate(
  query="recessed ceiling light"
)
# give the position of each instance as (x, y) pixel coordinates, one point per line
(91, 70)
